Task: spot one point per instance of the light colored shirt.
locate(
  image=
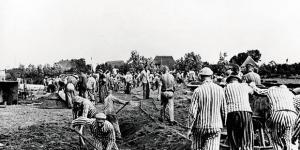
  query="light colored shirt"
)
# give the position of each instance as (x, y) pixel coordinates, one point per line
(252, 77)
(109, 104)
(208, 107)
(91, 83)
(191, 75)
(128, 78)
(237, 97)
(145, 76)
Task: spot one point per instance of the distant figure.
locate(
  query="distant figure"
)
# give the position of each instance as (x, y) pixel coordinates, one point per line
(145, 80)
(82, 85)
(91, 88)
(166, 91)
(128, 82)
(251, 76)
(207, 113)
(103, 86)
(191, 76)
(71, 82)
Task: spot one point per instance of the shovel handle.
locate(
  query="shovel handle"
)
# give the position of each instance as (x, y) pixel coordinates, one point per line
(122, 107)
(87, 140)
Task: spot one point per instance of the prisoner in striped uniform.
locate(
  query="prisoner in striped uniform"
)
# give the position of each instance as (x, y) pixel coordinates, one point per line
(239, 119)
(109, 110)
(251, 76)
(101, 129)
(207, 110)
(283, 115)
(84, 107)
(297, 123)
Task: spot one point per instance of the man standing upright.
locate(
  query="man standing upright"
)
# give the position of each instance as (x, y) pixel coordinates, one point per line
(145, 79)
(166, 90)
(206, 114)
(82, 83)
(239, 119)
(128, 82)
(91, 88)
(103, 86)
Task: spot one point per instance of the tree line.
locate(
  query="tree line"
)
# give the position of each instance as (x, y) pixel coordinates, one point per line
(136, 62)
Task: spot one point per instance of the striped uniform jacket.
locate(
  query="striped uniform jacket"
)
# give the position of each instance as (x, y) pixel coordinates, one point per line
(252, 77)
(237, 97)
(104, 137)
(297, 103)
(280, 98)
(89, 110)
(208, 107)
(297, 107)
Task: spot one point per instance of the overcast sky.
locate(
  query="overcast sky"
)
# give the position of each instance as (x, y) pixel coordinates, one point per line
(46, 31)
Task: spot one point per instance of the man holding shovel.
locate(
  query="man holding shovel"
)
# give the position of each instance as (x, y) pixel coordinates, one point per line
(101, 129)
(110, 111)
(84, 108)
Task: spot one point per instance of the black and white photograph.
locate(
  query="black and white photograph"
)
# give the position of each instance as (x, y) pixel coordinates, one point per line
(149, 75)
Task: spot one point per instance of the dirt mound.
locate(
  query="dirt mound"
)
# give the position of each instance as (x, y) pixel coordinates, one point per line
(53, 101)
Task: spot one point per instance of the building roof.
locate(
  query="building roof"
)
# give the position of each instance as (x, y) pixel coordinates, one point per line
(249, 60)
(164, 60)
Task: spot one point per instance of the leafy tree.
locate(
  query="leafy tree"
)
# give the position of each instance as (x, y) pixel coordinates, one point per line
(137, 62)
(241, 57)
(255, 54)
(104, 67)
(190, 61)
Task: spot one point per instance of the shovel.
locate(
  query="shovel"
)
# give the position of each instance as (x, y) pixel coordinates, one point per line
(87, 140)
(122, 107)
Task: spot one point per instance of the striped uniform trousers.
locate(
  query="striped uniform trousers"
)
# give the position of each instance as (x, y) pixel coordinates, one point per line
(297, 123)
(206, 141)
(240, 130)
(207, 110)
(281, 125)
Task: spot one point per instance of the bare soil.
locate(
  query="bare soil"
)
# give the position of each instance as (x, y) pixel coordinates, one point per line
(29, 127)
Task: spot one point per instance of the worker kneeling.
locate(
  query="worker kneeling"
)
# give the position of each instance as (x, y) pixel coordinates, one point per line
(101, 129)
